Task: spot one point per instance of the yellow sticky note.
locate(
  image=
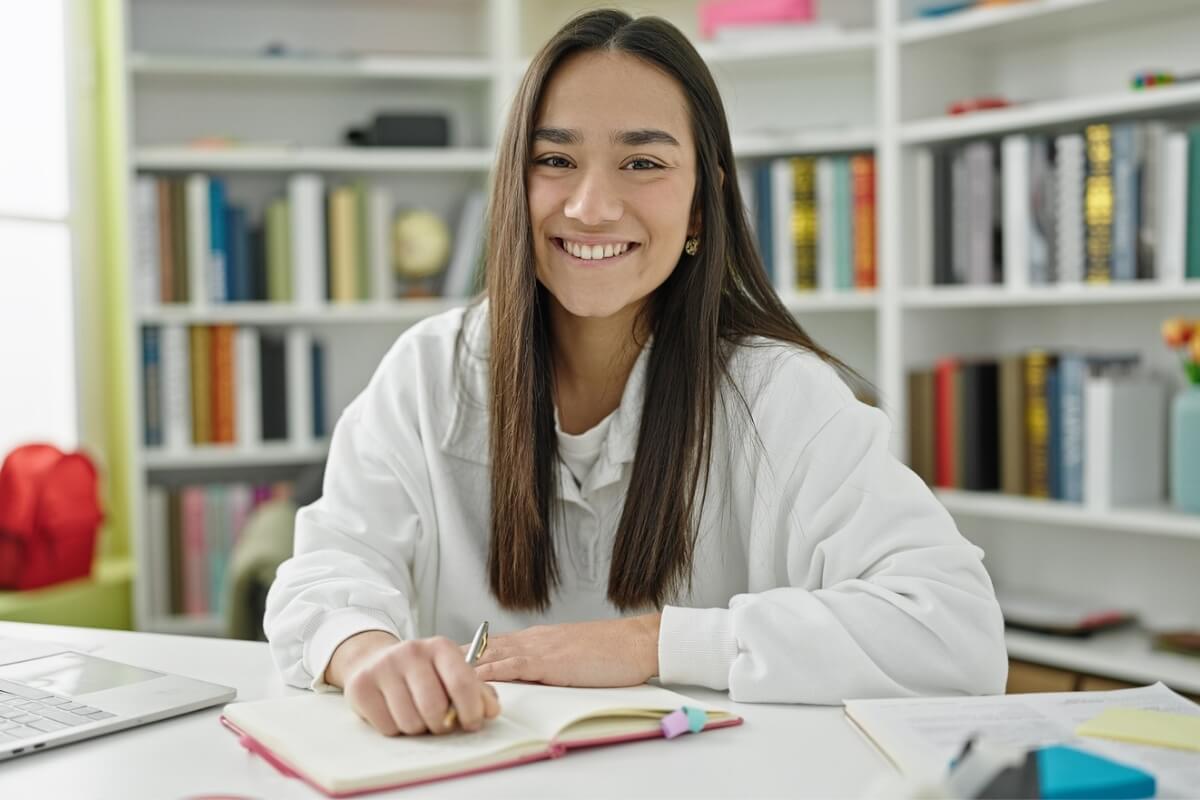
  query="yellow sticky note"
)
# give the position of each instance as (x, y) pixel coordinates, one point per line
(1158, 728)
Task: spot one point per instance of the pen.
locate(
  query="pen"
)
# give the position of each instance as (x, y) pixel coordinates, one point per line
(478, 645)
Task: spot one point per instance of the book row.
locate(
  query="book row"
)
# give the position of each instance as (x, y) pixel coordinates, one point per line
(192, 534)
(226, 385)
(814, 221)
(313, 244)
(1067, 426)
(1115, 202)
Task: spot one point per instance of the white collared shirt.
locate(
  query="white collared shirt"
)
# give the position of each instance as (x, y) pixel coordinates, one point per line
(824, 568)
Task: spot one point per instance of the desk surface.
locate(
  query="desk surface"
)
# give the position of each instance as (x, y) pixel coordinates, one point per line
(781, 751)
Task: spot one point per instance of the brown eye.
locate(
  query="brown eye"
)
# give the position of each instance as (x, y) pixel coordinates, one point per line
(554, 161)
(647, 164)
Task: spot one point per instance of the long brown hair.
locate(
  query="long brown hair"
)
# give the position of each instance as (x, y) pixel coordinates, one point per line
(711, 302)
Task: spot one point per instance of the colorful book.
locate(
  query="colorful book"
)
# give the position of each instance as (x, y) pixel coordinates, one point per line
(862, 170)
(279, 252)
(1126, 198)
(343, 245)
(218, 263)
(921, 440)
(946, 423)
(1037, 420)
(201, 384)
(166, 242)
(763, 213)
(181, 276)
(319, 739)
(1013, 428)
(152, 388)
(843, 186)
(248, 403)
(1043, 203)
(1098, 203)
(273, 385)
(221, 382)
(194, 553)
(804, 222)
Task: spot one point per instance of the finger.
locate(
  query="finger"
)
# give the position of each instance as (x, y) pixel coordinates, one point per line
(514, 668)
(462, 686)
(429, 695)
(401, 707)
(491, 702)
(369, 703)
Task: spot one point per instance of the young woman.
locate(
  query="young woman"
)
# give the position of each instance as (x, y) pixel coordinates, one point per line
(628, 456)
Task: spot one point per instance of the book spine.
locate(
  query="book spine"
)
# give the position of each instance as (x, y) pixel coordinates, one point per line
(1125, 198)
(175, 535)
(827, 226)
(804, 222)
(1098, 203)
(862, 169)
(380, 217)
(468, 247)
(1013, 430)
(199, 240)
(1172, 249)
(306, 229)
(1154, 135)
(946, 422)
(181, 241)
(970, 453)
(362, 271)
(343, 245)
(195, 595)
(764, 214)
(299, 386)
(1054, 432)
(177, 399)
(201, 385)
(152, 387)
(1037, 421)
(148, 259)
(166, 243)
(214, 555)
(1072, 373)
(921, 452)
(1043, 202)
(222, 384)
(844, 201)
(248, 401)
(782, 201)
(1069, 171)
(318, 390)
(273, 387)
(925, 227)
(943, 216)
(979, 214)
(1018, 222)
(1193, 203)
(1097, 459)
(218, 242)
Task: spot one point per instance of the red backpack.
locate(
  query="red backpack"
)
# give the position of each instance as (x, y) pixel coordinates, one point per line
(49, 517)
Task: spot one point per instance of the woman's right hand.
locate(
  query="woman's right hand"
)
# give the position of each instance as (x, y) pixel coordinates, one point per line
(408, 687)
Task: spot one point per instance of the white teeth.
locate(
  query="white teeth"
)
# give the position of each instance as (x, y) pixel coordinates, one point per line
(596, 251)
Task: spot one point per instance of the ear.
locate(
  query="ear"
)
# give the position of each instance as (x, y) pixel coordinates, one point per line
(694, 225)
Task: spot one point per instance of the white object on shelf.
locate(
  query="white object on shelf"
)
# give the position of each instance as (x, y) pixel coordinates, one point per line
(380, 215)
(248, 388)
(146, 239)
(923, 194)
(1173, 211)
(1070, 174)
(299, 387)
(782, 202)
(175, 356)
(199, 242)
(1144, 521)
(1125, 441)
(468, 247)
(1018, 218)
(306, 209)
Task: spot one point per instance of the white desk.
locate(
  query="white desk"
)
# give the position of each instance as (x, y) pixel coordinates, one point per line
(780, 751)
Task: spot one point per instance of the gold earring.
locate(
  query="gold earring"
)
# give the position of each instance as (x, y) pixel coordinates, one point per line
(692, 245)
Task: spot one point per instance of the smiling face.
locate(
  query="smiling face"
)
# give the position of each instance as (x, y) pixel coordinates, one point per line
(610, 183)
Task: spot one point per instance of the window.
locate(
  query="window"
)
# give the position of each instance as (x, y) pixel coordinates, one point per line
(37, 328)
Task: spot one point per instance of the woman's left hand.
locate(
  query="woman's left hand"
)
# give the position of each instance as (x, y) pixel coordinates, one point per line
(619, 652)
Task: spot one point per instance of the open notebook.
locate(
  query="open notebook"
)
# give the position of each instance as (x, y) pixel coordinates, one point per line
(319, 739)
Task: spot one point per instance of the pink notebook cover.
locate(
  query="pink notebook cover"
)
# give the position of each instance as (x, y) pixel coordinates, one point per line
(554, 751)
(721, 13)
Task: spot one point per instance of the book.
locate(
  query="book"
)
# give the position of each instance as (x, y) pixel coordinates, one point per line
(1125, 428)
(201, 384)
(862, 171)
(921, 444)
(218, 265)
(1193, 203)
(1098, 203)
(468, 247)
(177, 387)
(1037, 420)
(1172, 244)
(763, 211)
(980, 266)
(320, 740)
(827, 211)
(199, 240)
(146, 242)
(804, 222)
(946, 414)
(1043, 203)
(306, 242)
(782, 201)
(1070, 172)
(960, 217)
(844, 246)
(1018, 210)
(924, 186)
(943, 216)
(222, 380)
(248, 404)
(1126, 200)
(299, 386)
(1013, 459)
(152, 387)
(1154, 137)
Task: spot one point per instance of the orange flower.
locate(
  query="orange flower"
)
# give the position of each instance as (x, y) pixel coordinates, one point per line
(1194, 348)
(1176, 332)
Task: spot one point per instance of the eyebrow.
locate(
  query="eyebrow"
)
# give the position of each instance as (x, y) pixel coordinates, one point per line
(636, 138)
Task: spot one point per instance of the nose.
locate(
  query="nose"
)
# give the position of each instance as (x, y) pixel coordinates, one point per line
(593, 200)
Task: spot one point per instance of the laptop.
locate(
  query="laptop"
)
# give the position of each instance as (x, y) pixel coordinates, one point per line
(52, 695)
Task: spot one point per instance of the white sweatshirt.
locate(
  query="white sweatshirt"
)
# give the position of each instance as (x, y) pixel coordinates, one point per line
(824, 568)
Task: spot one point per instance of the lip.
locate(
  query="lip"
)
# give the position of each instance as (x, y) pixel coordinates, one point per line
(604, 262)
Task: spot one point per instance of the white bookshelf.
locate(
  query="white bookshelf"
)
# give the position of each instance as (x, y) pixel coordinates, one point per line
(881, 83)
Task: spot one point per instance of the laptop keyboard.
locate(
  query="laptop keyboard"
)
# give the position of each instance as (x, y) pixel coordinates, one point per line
(26, 712)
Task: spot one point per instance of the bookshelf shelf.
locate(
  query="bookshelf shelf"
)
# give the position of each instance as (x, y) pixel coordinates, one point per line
(1124, 654)
(1042, 18)
(1054, 296)
(806, 303)
(828, 140)
(1140, 521)
(220, 456)
(339, 159)
(1051, 113)
(385, 68)
(852, 43)
(399, 312)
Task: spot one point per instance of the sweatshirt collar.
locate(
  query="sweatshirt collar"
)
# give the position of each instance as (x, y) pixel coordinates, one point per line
(467, 436)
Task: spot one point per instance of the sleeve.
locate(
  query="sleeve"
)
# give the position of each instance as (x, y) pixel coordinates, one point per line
(878, 594)
(352, 566)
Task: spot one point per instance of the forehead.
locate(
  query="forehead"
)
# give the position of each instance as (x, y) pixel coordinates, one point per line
(605, 91)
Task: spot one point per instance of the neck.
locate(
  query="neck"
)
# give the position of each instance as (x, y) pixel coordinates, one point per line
(592, 361)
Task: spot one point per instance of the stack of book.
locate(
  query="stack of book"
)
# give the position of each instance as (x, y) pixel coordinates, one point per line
(221, 385)
(1106, 204)
(194, 530)
(814, 219)
(311, 245)
(1065, 426)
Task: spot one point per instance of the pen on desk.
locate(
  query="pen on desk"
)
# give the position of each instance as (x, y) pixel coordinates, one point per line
(478, 645)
